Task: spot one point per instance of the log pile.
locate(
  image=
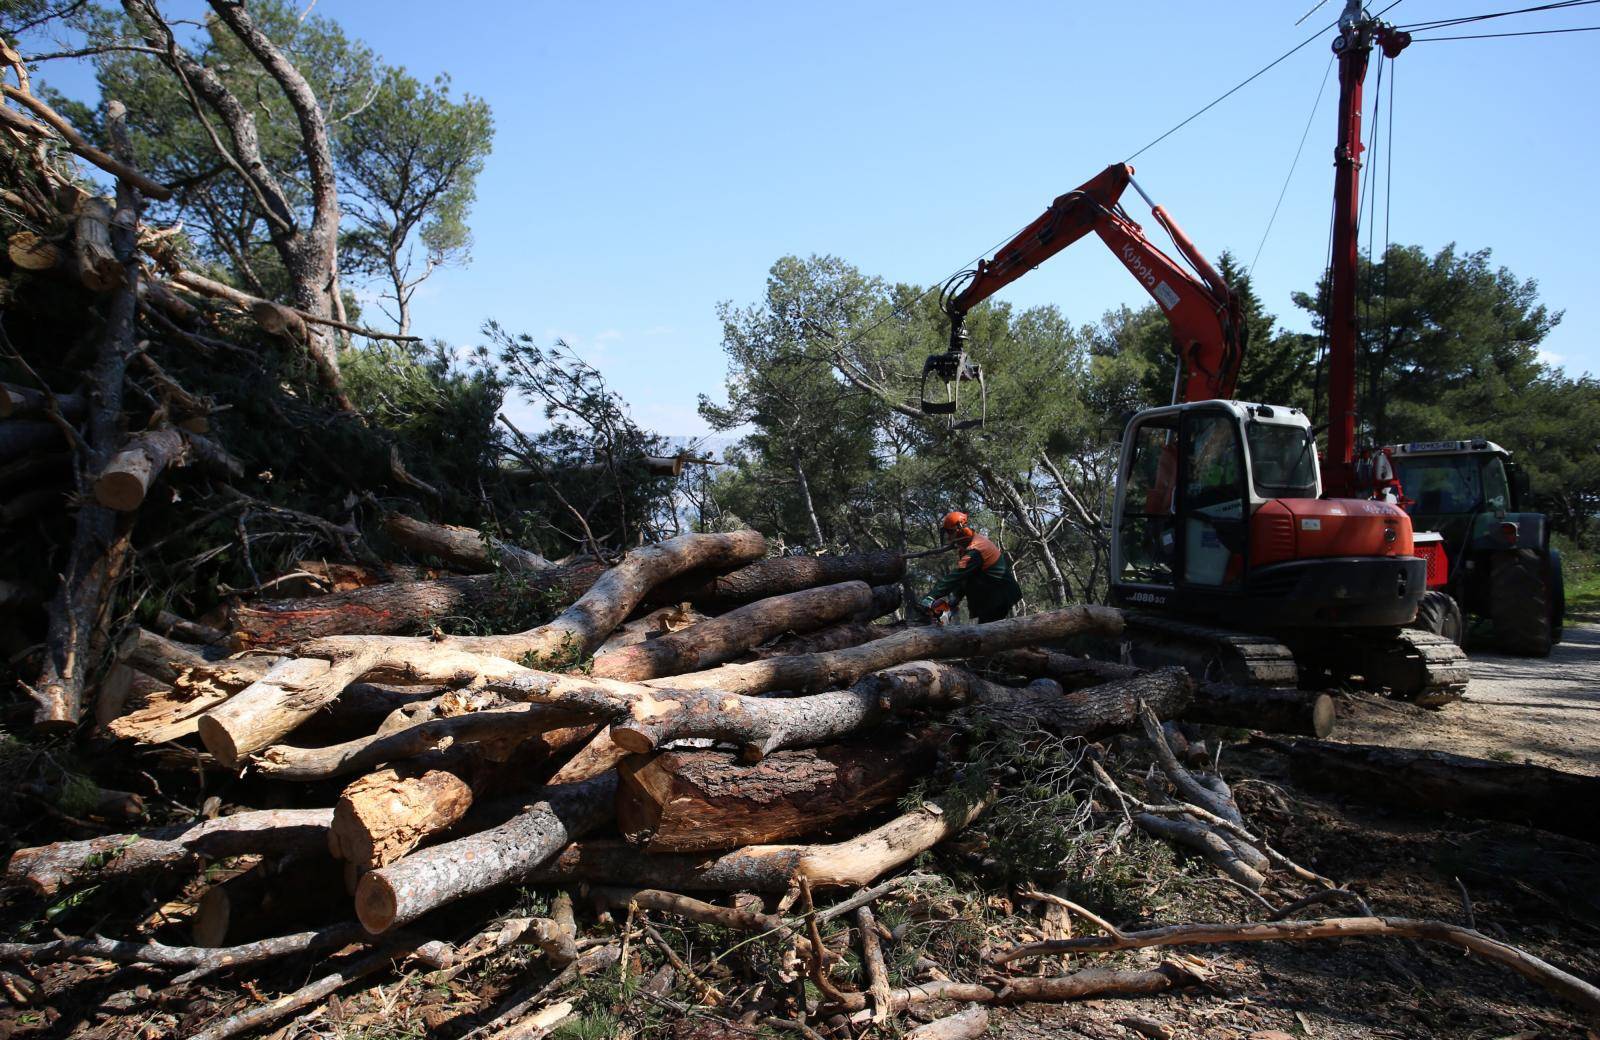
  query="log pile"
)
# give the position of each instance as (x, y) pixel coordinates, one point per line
(693, 730)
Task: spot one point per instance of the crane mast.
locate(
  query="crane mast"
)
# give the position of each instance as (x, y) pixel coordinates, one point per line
(1353, 46)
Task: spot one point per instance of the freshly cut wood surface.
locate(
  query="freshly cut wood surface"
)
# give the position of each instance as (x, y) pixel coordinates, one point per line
(387, 814)
(696, 801)
(720, 639)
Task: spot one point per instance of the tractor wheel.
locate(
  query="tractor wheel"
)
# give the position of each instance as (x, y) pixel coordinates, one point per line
(1440, 614)
(1520, 602)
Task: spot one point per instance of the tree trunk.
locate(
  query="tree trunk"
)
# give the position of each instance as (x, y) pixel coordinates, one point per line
(1437, 781)
(964, 1025)
(407, 889)
(96, 261)
(808, 672)
(777, 576)
(275, 896)
(698, 801)
(659, 622)
(95, 560)
(1275, 710)
(1090, 713)
(817, 540)
(23, 402)
(404, 606)
(712, 642)
(47, 869)
(462, 547)
(767, 868)
(126, 479)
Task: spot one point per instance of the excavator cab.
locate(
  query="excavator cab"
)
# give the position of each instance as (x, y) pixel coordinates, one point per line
(952, 368)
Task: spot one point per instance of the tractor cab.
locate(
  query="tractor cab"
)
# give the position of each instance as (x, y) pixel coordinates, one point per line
(1219, 514)
(1501, 564)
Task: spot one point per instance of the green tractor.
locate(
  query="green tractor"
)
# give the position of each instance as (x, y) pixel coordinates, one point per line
(1500, 562)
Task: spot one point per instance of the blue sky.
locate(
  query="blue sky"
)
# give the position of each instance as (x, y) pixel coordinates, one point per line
(653, 159)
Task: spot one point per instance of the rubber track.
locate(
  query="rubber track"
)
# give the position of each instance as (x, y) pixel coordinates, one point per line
(1247, 658)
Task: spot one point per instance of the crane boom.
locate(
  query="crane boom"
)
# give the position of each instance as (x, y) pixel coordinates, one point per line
(1203, 312)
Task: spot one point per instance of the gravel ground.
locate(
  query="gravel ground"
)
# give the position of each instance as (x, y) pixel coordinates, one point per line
(1520, 709)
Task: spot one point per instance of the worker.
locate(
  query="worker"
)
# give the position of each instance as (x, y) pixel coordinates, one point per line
(982, 575)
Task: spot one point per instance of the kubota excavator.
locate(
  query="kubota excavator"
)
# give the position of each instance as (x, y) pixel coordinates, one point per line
(1230, 558)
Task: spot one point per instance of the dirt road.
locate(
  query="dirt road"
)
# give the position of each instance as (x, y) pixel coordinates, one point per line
(1540, 710)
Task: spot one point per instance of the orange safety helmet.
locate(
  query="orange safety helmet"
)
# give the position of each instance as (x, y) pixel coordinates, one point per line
(955, 525)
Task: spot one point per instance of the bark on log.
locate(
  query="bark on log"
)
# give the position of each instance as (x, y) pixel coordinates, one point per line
(425, 880)
(278, 320)
(463, 548)
(24, 402)
(46, 869)
(1437, 781)
(1091, 713)
(387, 814)
(127, 477)
(778, 576)
(697, 801)
(293, 691)
(810, 672)
(835, 637)
(402, 606)
(512, 723)
(95, 259)
(965, 1025)
(768, 868)
(1272, 709)
(723, 638)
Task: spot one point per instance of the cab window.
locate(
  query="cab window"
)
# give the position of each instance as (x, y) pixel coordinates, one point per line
(1442, 484)
(1282, 460)
(1496, 489)
(1214, 500)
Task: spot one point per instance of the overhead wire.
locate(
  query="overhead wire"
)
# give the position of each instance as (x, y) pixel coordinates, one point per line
(1496, 36)
(1234, 89)
(1444, 23)
(1312, 118)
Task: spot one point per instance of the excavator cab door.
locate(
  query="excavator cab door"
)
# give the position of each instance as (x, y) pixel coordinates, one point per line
(1213, 502)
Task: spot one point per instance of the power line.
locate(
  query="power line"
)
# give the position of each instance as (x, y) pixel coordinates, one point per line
(1496, 36)
(1442, 23)
(1285, 190)
(1233, 90)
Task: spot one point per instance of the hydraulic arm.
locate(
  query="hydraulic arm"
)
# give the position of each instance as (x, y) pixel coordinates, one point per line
(1203, 313)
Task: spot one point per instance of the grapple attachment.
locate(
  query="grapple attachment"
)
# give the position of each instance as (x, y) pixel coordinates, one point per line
(952, 368)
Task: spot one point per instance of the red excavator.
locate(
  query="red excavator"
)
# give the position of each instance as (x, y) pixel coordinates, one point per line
(1224, 546)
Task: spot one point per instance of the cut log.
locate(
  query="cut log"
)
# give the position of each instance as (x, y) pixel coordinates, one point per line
(513, 723)
(720, 639)
(811, 672)
(176, 627)
(659, 622)
(46, 869)
(1274, 710)
(835, 637)
(463, 548)
(265, 710)
(1437, 781)
(965, 1025)
(778, 576)
(430, 878)
(697, 801)
(886, 599)
(33, 252)
(278, 320)
(387, 814)
(768, 868)
(24, 402)
(1092, 712)
(127, 477)
(96, 262)
(404, 606)
(272, 897)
